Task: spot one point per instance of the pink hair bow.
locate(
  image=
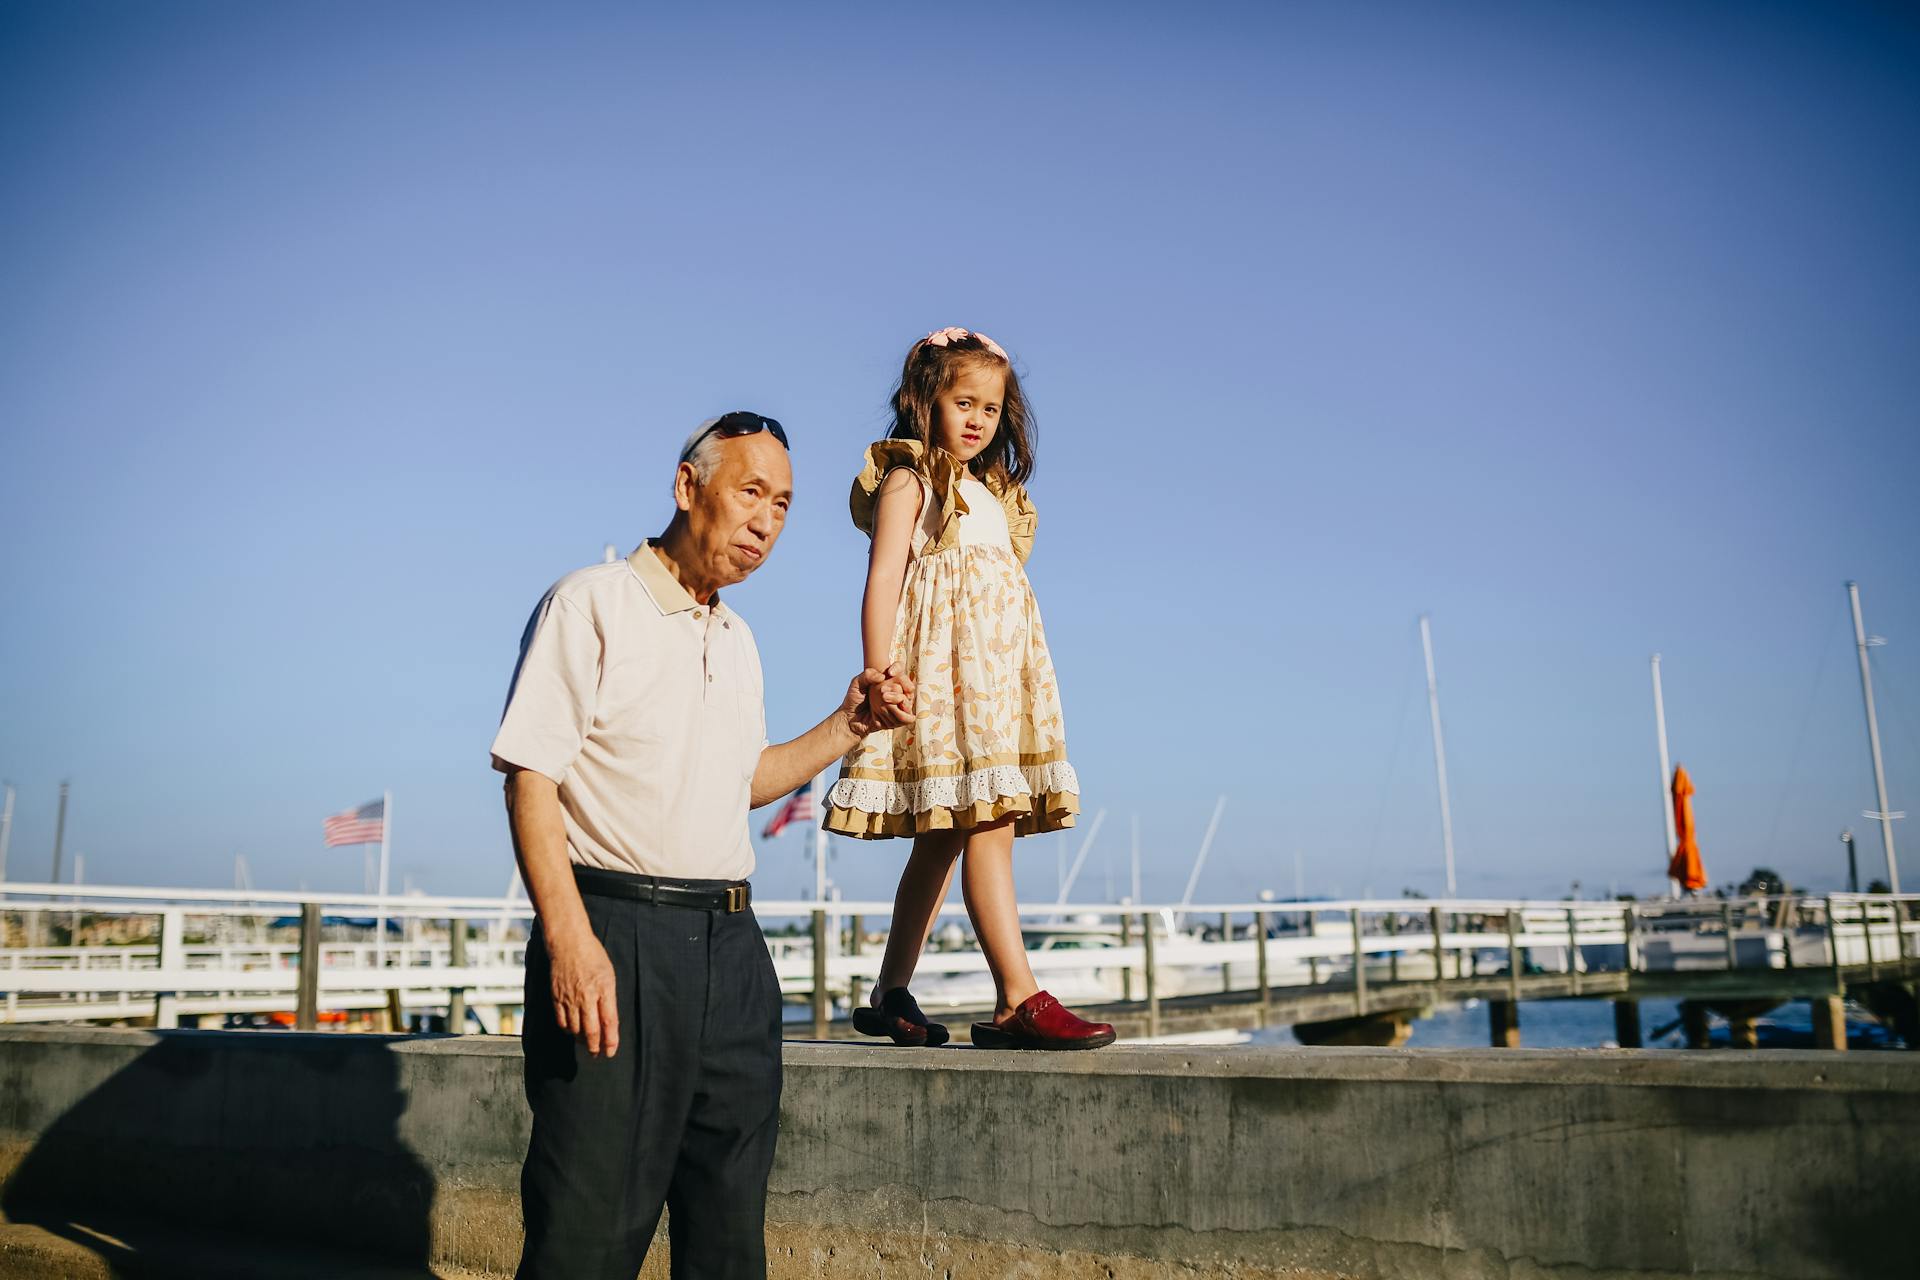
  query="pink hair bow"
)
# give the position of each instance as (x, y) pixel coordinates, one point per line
(953, 333)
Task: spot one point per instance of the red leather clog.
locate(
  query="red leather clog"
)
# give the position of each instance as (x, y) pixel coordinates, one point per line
(1041, 1022)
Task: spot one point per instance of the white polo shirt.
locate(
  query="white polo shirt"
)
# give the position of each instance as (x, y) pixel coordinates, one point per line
(648, 709)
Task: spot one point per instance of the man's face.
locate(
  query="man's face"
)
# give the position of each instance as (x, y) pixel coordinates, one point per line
(736, 516)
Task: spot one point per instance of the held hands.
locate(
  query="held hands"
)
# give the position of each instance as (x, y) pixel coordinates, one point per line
(583, 994)
(879, 700)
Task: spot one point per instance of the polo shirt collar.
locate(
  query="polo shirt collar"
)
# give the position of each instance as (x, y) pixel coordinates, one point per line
(662, 587)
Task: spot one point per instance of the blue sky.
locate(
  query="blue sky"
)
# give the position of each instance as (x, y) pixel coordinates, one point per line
(331, 335)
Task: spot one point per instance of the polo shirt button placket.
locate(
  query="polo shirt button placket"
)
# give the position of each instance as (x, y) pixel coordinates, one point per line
(706, 649)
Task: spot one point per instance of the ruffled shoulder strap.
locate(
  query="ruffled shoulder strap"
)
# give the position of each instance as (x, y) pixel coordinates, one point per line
(940, 474)
(939, 477)
(883, 456)
(1022, 518)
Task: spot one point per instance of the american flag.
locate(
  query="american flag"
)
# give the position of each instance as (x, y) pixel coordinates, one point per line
(798, 808)
(365, 825)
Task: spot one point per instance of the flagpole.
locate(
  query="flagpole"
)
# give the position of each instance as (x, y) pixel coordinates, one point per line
(1439, 750)
(6, 830)
(820, 843)
(386, 840)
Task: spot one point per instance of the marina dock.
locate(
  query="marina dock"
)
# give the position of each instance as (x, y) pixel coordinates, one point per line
(1338, 972)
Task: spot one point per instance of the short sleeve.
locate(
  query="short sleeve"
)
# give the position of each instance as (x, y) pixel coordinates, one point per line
(550, 705)
(759, 696)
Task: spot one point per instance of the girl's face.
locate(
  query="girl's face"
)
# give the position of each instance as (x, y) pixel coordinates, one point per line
(968, 411)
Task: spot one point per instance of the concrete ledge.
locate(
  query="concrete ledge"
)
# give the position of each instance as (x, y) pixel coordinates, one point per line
(1136, 1162)
(102, 1249)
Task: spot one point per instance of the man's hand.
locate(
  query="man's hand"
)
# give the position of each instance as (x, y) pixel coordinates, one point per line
(582, 980)
(878, 700)
(583, 994)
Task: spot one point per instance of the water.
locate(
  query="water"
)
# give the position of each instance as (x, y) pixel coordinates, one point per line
(1553, 1024)
(1588, 1024)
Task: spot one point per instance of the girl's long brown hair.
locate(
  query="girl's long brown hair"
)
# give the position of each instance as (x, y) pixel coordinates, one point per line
(928, 372)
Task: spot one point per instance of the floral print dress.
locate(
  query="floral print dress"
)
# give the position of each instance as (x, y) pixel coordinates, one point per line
(988, 740)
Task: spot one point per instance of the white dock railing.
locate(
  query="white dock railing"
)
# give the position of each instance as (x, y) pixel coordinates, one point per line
(111, 953)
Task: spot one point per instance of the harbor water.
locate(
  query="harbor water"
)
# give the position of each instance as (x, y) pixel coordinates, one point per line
(1588, 1024)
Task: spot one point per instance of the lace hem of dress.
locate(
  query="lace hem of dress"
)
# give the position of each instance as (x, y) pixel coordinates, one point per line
(964, 791)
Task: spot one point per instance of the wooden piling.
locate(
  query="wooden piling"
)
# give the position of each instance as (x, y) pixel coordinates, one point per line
(1833, 950)
(1313, 961)
(1626, 1024)
(457, 996)
(1226, 935)
(173, 956)
(307, 995)
(1503, 1023)
(822, 1011)
(1260, 967)
(1126, 940)
(1439, 946)
(1153, 984)
(1693, 1021)
(1359, 966)
(1513, 957)
(1573, 951)
(1726, 925)
(1866, 940)
(1829, 1023)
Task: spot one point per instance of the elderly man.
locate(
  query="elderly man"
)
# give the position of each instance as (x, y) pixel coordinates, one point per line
(634, 743)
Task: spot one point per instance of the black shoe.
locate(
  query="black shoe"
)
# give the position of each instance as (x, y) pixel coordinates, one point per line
(899, 1019)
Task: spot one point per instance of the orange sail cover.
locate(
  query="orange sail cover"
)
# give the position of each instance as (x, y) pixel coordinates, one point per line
(1686, 866)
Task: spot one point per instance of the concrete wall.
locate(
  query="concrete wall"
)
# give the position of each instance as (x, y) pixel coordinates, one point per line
(1130, 1162)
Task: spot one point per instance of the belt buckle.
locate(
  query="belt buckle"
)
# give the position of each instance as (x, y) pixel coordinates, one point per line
(736, 898)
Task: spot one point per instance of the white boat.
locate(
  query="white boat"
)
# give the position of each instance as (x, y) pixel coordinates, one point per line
(1067, 962)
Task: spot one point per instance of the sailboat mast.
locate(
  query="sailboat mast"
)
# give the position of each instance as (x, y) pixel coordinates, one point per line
(1439, 750)
(1886, 814)
(1072, 873)
(1206, 844)
(1136, 860)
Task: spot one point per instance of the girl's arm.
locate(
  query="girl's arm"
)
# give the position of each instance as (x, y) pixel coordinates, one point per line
(895, 513)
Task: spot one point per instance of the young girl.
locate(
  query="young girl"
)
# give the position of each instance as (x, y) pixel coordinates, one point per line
(985, 759)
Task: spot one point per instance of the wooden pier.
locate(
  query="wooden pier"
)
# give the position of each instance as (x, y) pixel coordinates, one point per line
(1349, 972)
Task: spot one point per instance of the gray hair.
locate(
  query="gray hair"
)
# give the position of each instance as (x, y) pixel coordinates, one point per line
(706, 456)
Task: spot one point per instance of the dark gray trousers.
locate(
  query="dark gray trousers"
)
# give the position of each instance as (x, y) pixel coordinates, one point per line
(684, 1115)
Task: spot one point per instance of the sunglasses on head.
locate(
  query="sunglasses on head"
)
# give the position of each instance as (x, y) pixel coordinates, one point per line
(738, 423)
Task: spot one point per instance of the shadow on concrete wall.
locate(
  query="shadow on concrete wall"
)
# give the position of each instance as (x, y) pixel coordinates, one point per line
(209, 1139)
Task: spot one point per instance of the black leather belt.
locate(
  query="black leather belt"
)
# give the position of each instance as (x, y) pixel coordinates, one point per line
(730, 896)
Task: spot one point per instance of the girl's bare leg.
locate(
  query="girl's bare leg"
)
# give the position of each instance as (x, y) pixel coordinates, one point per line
(986, 880)
(923, 887)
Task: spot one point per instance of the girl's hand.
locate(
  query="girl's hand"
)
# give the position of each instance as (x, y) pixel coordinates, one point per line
(896, 693)
(879, 700)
